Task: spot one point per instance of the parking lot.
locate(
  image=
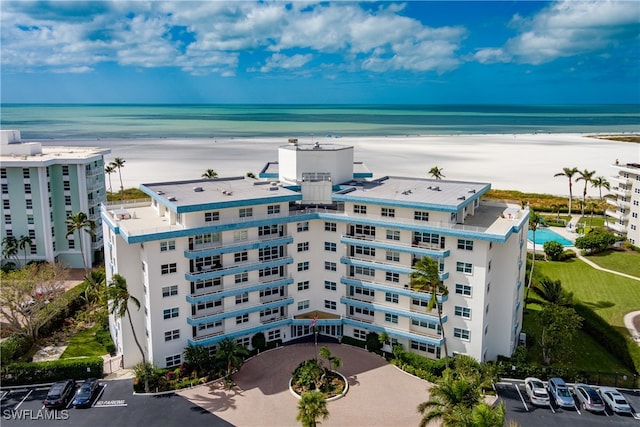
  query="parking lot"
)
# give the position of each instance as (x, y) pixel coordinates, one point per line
(520, 410)
(113, 404)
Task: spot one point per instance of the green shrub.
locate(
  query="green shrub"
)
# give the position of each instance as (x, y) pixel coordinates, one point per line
(373, 342)
(258, 341)
(45, 372)
(14, 347)
(354, 342)
(420, 366)
(66, 305)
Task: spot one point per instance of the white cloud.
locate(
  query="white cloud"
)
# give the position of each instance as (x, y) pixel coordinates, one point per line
(566, 29)
(279, 61)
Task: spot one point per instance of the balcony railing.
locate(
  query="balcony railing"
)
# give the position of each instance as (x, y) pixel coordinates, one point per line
(209, 335)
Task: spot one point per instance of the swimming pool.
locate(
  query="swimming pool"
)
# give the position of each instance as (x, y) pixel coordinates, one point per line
(545, 235)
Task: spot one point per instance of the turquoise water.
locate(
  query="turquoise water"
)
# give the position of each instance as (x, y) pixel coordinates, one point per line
(44, 121)
(544, 235)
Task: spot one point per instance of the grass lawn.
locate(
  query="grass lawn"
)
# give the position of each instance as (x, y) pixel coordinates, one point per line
(609, 295)
(84, 344)
(625, 262)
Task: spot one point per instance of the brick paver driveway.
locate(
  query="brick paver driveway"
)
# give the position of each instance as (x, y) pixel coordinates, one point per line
(379, 393)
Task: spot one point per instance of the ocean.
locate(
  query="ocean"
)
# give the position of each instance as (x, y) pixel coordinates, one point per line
(59, 121)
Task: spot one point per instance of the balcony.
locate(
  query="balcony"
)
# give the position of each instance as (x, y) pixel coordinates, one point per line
(215, 333)
(360, 318)
(617, 215)
(208, 312)
(271, 319)
(621, 191)
(620, 228)
(425, 332)
(240, 288)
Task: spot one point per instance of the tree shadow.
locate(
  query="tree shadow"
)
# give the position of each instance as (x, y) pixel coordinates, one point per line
(353, 380)
(599, 304)
(218, 398)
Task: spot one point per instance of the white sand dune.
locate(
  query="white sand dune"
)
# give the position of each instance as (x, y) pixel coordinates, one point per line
(525, 162)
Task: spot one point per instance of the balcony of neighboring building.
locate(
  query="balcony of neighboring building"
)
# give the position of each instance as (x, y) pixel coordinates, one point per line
(393, 245)
(618, 215)
(622, 190)
(616, 226)
(216, 290)
(200, 246)
(620, 180)
(243, 311)
(217, 269)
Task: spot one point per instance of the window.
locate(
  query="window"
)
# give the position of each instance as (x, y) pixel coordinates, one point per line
(364, 230)
(331, 266)
(67, 199)
(391, 297)
(303, 266)
(330, 305)
(65, 170)
(27, 190)
(303, 247)
(266, 254)
(303, 286)
(432, 238)
(463, 312)
(246, 212)
(169, 291)
(273, 209)
(5, 188)
(268, 230)
(66, 186)
(169, 245)
(359, 334)
(269, 271)
(302, 226)
(329, 285)
(273, 335)
(393, 256)
(429, 348)
(393, 235)
(464, 267)
(240, 235)
(174, 360)
(241, 256)
(271, 291)
(363, 291)
(364, 250)
(242, 298)
(419, 302)
(421, 216)
(330, 226)
(303, 305)
(211, 216)
(463, 290)
(208, 304)
(466, 245)
(330, 246)
(172, 335)
(388, 212)
(170, 313)
(242, 319)
(6, 204)
(72, 243)
(168, 268)
(210, 325)
(25, 173)
(392, 318)
(360, 209)
(241, 277)
(462, 334)
(392, 277)
(243, 342)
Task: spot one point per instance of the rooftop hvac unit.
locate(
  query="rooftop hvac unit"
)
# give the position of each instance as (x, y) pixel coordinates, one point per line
(172, 199)
(198, 189)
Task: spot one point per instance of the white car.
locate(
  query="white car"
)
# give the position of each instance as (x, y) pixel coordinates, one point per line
(536, 391)
(615, 400)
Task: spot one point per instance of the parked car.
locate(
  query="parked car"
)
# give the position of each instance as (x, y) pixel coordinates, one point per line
(615, 400)
(560, 392)
(537, 393)
(86, 393)
(589, 398)
(60, 394)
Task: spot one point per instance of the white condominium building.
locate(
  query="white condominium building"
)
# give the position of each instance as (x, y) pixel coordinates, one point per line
(317, 236)
(622, 216)
(41, 187)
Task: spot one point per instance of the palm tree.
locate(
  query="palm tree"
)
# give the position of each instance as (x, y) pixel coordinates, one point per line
(426, 278)
(552, 292)
(231, 353)
(586, 176)
(78, 222)
(119, 297)
(95, 280)
(210, 174)
(534, 221)
(23, 242)
(118, 163)
(109, 169)
(10, 248)
(600, 182)
(311, 406)
(569, 172)
(448, 394)
(485, 415)
(436, 172)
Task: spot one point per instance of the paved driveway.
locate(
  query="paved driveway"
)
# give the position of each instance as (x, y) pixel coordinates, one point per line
(379, 393)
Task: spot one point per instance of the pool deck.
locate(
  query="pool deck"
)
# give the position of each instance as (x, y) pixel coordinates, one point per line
(567, 232)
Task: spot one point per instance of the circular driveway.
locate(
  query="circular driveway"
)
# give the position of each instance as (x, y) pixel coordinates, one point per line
(379, 393)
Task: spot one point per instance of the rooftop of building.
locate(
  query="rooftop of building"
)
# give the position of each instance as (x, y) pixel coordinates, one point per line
(317, 146)
(16, 152)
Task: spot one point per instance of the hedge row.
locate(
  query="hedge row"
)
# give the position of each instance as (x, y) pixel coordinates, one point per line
(55, 370)
(354, 342)
(608, 336)
(14, 347)
(420, 366)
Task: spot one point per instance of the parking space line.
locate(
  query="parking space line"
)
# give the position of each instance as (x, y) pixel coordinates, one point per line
(521, 398)
(4, 394)
(551, 406)
(104, 386)
(23, 399)
(577, 410)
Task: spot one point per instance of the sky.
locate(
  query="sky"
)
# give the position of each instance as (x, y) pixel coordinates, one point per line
(336, 52)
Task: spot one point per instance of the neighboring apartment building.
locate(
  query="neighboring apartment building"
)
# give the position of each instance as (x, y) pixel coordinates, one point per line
(41, 186)
(231, 257)
(622, 218)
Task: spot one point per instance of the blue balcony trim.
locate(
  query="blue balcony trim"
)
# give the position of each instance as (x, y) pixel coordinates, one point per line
(395, 247)
(362, 175)
(386, 288)
(393, 332)
(372, 264)
(386, 309)
(319, 322)
(199, 253)
(238, 291)
(239, 269)
(239, 333)
(239, 312)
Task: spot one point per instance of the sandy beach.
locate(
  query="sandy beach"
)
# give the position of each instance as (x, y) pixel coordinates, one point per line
(525, 162)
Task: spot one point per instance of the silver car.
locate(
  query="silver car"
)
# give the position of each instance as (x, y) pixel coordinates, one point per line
(589, 398)
(615, 400)
(560, 392)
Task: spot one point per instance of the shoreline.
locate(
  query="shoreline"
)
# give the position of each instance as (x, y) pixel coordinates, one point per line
(523, 162)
